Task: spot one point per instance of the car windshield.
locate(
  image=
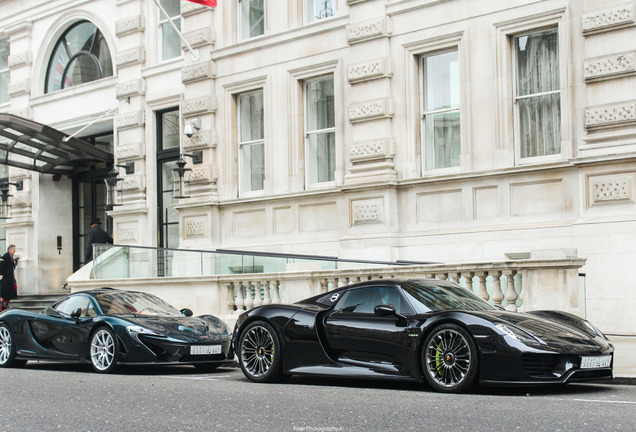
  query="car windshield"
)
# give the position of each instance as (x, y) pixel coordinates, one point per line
(428, 295)
(113, 303)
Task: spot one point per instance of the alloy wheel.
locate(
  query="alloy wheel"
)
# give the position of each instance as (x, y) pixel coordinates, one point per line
(448, 358)
(5, 345)
(257, 351)
(102, 350)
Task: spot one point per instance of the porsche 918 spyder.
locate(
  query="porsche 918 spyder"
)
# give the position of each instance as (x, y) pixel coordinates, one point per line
(107, 327)
(424, 330)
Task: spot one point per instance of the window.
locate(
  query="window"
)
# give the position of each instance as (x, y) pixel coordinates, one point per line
(318, 9)
(170, 43)
(251, 18)
(440, 125)
(4, 70)
(320, 131)
(81, 55)
(364, 300)
(251, 141)
(72, 303)
(537, 94)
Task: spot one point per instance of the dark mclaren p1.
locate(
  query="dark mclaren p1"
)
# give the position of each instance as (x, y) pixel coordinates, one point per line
(424, 330)
(107, 327)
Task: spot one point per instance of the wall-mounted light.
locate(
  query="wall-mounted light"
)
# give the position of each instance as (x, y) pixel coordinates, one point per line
(113, 185)
(5, 202)
(181, 175)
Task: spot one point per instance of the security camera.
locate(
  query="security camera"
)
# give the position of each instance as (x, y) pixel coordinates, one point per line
(189, 130)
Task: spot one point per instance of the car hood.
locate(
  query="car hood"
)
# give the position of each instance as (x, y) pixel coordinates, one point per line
(188, 328)
(550, 332)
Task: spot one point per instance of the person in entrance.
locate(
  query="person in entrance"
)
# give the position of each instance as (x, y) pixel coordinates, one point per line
(95, 236)
(8, 285)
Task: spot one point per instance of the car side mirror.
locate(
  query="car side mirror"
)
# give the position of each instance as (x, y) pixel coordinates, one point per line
(186, 312)
(76, 314)
(384, 310)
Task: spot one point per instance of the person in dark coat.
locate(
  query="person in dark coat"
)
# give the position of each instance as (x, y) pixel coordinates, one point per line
(8, 285)
(95, 236)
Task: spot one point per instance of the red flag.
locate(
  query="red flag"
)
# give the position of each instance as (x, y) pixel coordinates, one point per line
(211, 3)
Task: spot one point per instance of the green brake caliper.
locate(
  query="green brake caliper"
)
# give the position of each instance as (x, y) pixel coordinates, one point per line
(438, 355)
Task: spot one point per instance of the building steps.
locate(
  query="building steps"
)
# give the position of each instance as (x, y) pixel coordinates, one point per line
(34, 303)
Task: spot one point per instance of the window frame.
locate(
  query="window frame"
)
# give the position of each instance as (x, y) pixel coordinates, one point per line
(161, 19)
(424, 112)
(307, 133)
(251, 143)
(240, 21)
(306, 19)
(5, 71)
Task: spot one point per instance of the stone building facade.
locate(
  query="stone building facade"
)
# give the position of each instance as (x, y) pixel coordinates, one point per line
(420, 130)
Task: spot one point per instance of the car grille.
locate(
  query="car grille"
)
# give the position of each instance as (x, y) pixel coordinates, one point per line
(540, 366)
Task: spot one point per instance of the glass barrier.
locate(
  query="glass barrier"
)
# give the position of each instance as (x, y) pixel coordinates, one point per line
(116, 261)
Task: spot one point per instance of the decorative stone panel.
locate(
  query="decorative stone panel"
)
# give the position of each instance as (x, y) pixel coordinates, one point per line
(201, 174)
(130, 119)
(377, 28)
(131, 56)
(130, 88)
(199, 38)
(615, 190)
(190, 8)
(129, 25)
(366, 211)
(22, 199)
(608, 19)
(370, 150)
(194, 227)
(379, 68)
(130, 151)
(610, 66)
(17, 88)
(197, 72)
(610, 115)
(20, 59)
(133, 182)
(370, 110)
(127, 232)
(202, 105)
(201, 139)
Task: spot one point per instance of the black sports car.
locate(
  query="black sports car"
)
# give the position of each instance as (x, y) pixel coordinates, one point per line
(423, 330)
(107, 327)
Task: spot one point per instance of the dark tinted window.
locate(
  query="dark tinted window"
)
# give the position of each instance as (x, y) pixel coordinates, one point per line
(429, 295)
(364, 300)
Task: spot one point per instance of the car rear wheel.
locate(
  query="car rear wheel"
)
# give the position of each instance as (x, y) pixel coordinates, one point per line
(260, 353)
(104, 350)
(7, 348)
(450, 359)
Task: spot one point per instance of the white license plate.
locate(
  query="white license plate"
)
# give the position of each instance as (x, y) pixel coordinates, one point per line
(205, 349)
(595, 362)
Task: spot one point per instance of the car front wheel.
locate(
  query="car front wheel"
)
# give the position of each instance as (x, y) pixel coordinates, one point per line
(7, 348)
(450, 359)
(260, 353)
(103, 350)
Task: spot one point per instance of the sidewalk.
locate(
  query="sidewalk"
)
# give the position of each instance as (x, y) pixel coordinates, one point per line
(624, 358)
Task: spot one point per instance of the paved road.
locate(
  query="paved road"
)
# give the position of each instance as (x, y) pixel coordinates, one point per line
(53, 397)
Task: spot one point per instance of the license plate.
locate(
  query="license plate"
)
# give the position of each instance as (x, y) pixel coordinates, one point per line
(595, 362)
(205, 349)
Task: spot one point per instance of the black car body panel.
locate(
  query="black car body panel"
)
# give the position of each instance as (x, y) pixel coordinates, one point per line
(157, 339)
(320, 337)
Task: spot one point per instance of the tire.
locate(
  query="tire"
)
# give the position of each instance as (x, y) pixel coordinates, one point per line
(7, 349)
(450, 359)
(103, 350)
(206, 367)
(260, 353)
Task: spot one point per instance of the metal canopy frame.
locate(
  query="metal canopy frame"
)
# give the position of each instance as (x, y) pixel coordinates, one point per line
(33, 146)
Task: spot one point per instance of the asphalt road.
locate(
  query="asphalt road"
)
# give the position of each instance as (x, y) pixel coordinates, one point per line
(46, 397)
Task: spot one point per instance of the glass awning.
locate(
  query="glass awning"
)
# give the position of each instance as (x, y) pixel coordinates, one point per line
(33, 146)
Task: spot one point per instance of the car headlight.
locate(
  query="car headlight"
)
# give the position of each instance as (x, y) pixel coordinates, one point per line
(517, 333)
(134, 331)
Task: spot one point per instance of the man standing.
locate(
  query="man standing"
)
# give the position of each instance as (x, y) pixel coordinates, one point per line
(8, 285)
(95, 236)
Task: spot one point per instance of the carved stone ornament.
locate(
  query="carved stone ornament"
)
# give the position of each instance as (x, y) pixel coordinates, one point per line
(608, 19)
(366, 211)
(610, 115)
(22, 199)
(197, 72)
(617, 190)
(370, 110)
(202, 139)
(190, 8)
(373, 69)
(17, 88)
(130, 88)
(370, 150)
(129, 25)
(199, 38)
(20, 59)
(131, 56)
(610, 66)
(127, 232)
(380, 27)
(200, 105)
(133, 182)
(195, 227)
(129, 151)
(130, 119)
